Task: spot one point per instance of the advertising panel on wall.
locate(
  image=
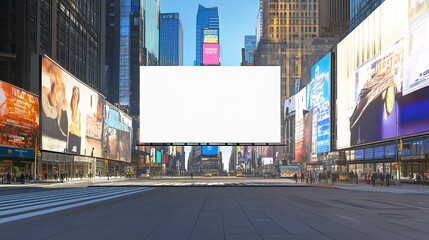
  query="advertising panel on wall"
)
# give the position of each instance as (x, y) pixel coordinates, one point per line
(382, 75)
(301, 117)
(214, 92)
(209, 150)
(211, 36)
(19, 117)
(210, 54)
(318, 102)
(267, 161)
(117, 133)
(288, 171)
(71, 113)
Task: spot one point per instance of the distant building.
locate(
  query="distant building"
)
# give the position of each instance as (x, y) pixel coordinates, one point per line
(249, 49)
(207, 37)
(361, 9)
(170, 40)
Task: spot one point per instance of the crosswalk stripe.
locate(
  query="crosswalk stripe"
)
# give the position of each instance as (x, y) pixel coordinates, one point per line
(45, 208)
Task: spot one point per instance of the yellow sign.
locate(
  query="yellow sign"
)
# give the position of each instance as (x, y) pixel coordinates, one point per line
(395, 166)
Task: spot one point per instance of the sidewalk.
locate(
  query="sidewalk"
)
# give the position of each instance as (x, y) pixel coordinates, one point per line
(404, 188)
(58, 183)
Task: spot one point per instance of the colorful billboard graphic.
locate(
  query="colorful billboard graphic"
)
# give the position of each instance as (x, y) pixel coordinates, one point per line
(383, 82)
(300, 111)
(210, 54)
(209, 150)
(117, 133)
(211, 36)
(19, 117)
(71, 114)
(318, 102)
(288, 171)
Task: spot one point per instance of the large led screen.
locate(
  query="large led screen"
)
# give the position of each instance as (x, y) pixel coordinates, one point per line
(211, 36)
(210, 54)
(382, 75)
(118, 133)
(202, 105)
(209, 150)
(302, 128)
(19, 117)
(318, 102)
(71, 114)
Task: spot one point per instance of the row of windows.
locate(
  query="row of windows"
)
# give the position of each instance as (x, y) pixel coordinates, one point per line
(293, 7)
(292, 29)
(293, 14)
(301, 21)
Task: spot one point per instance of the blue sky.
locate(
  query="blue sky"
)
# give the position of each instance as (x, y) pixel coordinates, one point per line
(237, 19)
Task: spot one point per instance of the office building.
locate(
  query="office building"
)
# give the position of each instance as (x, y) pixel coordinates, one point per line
(170, 40)
(249, 49)
(207, 37)
(69, 32)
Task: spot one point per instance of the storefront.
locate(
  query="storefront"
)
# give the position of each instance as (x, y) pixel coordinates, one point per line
(16, 161)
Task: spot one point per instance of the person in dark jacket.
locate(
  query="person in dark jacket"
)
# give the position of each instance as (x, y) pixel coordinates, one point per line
(22, 177)
(8, 178)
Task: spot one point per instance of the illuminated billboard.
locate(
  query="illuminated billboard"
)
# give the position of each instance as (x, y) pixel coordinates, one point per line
(117, 133)
(383, 75)
(214, 93)
(301, 125)
(209, 150)
(210, 54)
(211, 36)
(318, 103)
(19, 117)
(71, 113)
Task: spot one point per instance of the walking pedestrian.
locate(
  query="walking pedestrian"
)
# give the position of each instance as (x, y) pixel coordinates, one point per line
(22, 177)
(356, 177)
(295, 176)
(388, 177)
(381, 179)
(8, 178)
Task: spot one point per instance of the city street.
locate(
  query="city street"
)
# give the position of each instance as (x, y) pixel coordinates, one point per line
(294, 211)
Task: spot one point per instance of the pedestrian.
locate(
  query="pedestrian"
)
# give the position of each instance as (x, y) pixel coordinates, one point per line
(302, 176)
(388, 177)
(62, 177)
(356, 177)
(295, 176)
(418, 178)
(192, 175)
(22, 177)
(8, 178)
(373, 178)
(381, 179)
(45, 176)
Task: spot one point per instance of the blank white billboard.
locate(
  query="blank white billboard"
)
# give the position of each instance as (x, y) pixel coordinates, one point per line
(215, 105)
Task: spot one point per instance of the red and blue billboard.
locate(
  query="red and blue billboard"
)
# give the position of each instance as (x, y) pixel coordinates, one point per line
(210, 54)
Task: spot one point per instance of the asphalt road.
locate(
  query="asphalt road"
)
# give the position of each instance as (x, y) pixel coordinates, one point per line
(291, 212)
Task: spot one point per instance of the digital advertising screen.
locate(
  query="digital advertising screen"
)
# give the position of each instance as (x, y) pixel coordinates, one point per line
(71, 113)
(359, 154)
(19, 117)
(158, 157)
(382, 75)
(211, 36)
(267, 161)
(209, 150)
(318, 102)
(288, 171)
(214, 94)
(301, 123)
(118, 132)
(210, 54)
(379, 152)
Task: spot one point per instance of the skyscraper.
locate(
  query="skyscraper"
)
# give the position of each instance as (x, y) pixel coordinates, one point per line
(170, 40)
(151, 31)
(207, 28)
(249, 49)
(69, 32)
(360, 9)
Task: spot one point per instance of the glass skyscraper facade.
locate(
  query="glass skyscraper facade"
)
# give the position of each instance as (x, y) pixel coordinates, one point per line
(207, 18)
(151, 31)
(249, 48)
(170, 40)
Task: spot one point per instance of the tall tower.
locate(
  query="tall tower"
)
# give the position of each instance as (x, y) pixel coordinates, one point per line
(170, 40)
(207, 37)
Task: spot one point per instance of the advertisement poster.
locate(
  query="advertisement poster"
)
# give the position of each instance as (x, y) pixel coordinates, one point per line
(319, 95)
(71, 114)
(210, 54)
(118, 133)
(211, 36)
(383, 81)
(209, 150)
(300, 102)
(288, 171)
(267, 161)
(19, 117)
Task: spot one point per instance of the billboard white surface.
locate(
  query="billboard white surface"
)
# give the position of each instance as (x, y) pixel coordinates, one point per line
(204, 105)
